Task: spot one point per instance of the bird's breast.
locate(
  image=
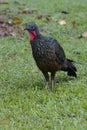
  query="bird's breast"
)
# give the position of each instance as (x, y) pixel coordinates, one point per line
(41, 51)
(45, 57)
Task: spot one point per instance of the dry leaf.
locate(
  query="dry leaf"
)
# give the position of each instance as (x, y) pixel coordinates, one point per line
(26, 11)
(3, 2)
(16, 20)
(13, 34)
(62, 22)
(48, 18)
(83, 35)
(40, 16)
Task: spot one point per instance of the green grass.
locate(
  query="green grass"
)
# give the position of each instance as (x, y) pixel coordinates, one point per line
(25, 104)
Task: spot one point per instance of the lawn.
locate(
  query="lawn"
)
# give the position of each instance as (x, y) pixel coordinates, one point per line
(25, 104)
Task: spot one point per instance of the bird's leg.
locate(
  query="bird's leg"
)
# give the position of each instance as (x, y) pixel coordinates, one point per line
(52, 79)
(47, 85)
(47, 78)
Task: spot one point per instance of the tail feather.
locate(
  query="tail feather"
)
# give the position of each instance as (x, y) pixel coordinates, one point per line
(71, 72)
(71, 69)
(71, 64)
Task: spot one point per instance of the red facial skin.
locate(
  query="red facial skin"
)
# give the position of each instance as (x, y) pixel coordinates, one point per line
(32, 35)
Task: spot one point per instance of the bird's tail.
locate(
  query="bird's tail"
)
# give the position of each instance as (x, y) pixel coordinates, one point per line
(70, 68)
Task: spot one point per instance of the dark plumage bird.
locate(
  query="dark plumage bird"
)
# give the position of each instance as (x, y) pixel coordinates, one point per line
(48, 54)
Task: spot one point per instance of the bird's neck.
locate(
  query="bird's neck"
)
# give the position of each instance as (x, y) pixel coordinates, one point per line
(32, 35)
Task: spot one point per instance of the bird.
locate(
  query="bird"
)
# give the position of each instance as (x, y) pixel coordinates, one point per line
(48, 55)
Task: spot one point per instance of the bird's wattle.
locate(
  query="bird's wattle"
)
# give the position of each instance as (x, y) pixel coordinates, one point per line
(32, 35)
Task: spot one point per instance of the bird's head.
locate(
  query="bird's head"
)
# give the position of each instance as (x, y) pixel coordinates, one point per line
(33, 30)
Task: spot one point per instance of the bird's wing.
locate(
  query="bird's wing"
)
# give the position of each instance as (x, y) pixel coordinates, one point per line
(59, 52)
(53, 50)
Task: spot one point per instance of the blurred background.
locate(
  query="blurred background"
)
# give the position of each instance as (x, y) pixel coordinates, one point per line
(24, 102)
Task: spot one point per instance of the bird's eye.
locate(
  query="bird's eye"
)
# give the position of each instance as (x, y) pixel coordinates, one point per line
(32, 27)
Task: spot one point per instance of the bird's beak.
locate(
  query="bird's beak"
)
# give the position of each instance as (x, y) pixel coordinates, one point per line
(27, 28)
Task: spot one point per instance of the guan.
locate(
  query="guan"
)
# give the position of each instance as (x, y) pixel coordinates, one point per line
(48, 54)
